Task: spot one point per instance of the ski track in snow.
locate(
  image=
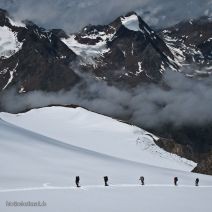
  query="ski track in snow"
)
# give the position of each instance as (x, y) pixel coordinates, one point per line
(87, 187)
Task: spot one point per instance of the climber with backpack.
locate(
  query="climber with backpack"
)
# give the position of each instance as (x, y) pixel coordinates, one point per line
(142, 180)
(197, 182)
(77, 181)
(175, 181)
(106, 180)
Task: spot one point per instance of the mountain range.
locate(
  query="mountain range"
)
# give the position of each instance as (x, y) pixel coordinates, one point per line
(125, 53)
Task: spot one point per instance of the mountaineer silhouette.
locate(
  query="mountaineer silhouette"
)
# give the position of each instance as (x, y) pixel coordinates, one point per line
(175, 181)
(106, 180)
(197, 182)
(142, 180)
(77, 181)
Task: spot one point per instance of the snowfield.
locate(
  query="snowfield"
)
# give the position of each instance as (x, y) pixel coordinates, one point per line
(88, 53)
(98, 133)
(42, 151)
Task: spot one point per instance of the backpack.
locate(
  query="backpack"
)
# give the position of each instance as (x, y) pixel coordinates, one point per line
(106, 178)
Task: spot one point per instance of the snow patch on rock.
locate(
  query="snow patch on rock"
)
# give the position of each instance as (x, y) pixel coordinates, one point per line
(9, 43)
(88, 53)
(11, 77)
(139, 69)
(17, 23)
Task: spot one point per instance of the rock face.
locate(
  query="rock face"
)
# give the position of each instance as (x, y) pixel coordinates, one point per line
(193, 142)
(205, 164)
(125, 52)
(191, 42)
(35, 59)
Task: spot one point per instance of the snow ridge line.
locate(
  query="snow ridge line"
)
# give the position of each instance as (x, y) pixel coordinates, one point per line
(99, 187)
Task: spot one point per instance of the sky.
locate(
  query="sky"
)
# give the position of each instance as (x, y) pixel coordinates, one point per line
(72, 15)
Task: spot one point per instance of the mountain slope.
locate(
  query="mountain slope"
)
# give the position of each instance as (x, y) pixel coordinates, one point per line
(98, 133)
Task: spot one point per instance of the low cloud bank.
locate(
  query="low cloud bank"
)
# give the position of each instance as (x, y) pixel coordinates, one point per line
(181, 101)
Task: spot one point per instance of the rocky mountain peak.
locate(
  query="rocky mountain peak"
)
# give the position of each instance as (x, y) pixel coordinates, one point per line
(125, 51)
(127, 44)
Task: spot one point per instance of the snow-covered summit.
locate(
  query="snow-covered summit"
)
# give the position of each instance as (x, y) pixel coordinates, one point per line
(131, 22)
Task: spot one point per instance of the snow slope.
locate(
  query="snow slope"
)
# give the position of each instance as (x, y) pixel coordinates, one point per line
(35, 167)
(98, 133)
(9, 43)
